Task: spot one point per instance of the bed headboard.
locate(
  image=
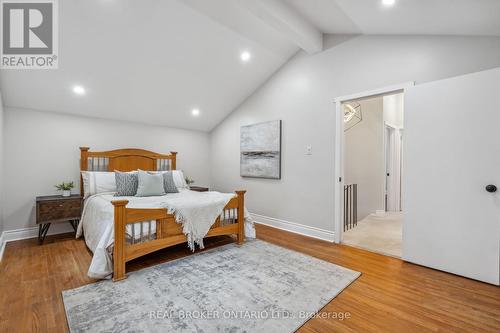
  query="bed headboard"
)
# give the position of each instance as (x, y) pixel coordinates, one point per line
(125, 160)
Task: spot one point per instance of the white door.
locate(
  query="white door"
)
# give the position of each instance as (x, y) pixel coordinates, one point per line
(388, 167)
(393, 151)
(452, 153)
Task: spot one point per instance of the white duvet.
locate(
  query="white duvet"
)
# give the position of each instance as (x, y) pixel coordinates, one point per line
(195, 210)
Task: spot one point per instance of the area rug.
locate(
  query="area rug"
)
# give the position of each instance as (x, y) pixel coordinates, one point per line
(257, 287)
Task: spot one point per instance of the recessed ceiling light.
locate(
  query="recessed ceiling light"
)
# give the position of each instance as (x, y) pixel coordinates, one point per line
(245, 56)
(388, 2)
(79, 90)
(195, 112)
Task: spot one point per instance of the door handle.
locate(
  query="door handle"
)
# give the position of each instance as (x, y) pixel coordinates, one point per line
(491, 188)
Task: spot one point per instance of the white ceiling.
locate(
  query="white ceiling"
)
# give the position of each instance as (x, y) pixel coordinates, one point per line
(406, 17)
(152, 61)
(148, 61)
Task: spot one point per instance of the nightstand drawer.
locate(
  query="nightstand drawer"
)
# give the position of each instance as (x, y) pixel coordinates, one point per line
(59, 210)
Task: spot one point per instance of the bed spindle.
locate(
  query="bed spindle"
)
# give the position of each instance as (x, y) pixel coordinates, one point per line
(140, 241)
(133, 233)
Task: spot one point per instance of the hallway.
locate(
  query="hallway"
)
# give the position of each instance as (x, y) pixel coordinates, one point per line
(381, 234)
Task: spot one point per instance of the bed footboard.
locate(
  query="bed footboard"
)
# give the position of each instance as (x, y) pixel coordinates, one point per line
(168, 231)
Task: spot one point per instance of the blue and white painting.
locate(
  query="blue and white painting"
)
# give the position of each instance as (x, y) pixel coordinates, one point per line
(260, 150)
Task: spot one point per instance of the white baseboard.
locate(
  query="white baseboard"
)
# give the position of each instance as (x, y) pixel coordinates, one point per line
(2, 246)
(31, 232)
(296, 228)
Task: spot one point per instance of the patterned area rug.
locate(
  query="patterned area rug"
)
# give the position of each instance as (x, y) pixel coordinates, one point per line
(257, 287)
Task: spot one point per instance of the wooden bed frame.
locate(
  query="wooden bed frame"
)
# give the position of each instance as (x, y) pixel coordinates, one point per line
(168, 232)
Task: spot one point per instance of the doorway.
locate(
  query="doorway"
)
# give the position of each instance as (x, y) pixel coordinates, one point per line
(370, 171)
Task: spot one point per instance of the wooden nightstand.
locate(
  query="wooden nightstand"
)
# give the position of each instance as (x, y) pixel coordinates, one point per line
(198, 188)
(56, 209)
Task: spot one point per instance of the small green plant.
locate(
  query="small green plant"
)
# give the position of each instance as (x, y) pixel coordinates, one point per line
(189, 181)
(65, 186)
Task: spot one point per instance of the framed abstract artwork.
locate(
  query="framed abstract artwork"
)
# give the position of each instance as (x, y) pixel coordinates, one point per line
(260, 150)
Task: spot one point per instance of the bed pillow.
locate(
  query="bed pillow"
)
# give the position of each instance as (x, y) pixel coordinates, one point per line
(150, 184)
(179, 180)
(126, 183)
(168, 182)
(95, 182)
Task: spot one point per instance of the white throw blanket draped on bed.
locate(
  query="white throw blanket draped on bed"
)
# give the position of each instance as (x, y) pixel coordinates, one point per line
(197, 216)
(197, 212)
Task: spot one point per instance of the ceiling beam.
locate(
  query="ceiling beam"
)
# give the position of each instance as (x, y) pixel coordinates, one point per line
(288, 22)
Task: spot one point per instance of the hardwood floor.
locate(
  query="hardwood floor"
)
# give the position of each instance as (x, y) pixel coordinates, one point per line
(390, 295)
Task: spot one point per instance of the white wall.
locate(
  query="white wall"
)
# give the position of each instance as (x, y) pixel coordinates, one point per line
(364, 157)
(301, 93)
(1, 164)
(393, 110)
(42, 149)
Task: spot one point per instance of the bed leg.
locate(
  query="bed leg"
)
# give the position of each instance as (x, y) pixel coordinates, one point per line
(119, 247)
(241, 216)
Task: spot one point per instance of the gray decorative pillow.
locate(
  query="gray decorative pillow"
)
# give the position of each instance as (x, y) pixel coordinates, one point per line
(126, 183)
(150, 184)
(168, 183)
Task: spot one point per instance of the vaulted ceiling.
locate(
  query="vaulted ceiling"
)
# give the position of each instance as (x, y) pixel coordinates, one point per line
(405, 17)
(153, 61)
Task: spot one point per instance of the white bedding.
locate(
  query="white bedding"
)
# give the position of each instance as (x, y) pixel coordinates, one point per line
(97, 222)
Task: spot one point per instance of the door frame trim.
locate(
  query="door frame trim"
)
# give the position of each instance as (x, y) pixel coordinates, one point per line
(339, 148)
